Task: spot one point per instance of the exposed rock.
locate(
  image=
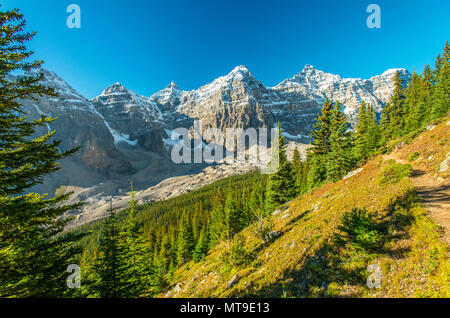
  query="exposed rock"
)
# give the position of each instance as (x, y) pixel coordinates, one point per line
(271, 236)
(232, 281)
(445, 164)
(352, 173)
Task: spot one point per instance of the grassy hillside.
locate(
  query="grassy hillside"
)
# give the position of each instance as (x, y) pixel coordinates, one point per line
(304, 260)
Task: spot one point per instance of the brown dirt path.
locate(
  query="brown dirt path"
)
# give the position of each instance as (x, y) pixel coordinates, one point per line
(434, 193)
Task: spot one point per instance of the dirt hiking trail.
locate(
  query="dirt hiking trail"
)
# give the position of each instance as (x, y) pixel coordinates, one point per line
(434, 193)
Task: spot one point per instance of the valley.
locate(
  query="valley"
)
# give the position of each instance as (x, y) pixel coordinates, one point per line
(125, 136)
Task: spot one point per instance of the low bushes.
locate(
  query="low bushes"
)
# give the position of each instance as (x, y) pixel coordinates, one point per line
(393, 173)
(359, 230)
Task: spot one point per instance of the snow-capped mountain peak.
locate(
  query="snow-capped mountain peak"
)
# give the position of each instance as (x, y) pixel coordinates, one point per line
(308, 68)
(116, 88)
(241, 69)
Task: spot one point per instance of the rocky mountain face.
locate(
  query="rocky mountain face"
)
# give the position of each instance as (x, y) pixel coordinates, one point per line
(240, 100)
(78, 124)
(125, 136)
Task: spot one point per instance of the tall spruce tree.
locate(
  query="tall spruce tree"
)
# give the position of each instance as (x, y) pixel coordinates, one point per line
(427, 79)
(257, 203)
(317, 171)
(109, 264)
(373, 131)
(367, 132)
(281, 184)
(441, 92)
(202, 246)
(217, 226)
(361, 134)
(138, 269)
(393, 115)
(186, 243)
(339, 157)
(297, 166)
(33, 256)
(233, 216)
(415, 103)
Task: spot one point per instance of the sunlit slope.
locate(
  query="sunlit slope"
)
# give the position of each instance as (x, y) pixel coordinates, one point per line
(303, 260)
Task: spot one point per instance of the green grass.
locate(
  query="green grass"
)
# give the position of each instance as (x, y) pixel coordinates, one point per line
(414, 156)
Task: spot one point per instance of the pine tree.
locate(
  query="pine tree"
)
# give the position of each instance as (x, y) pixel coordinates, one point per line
(298, 170)
(317, 171)
(362, 126)
(201, 249)
(256, 204)
(441, 92)
(108, 265)
(373, 131)
(137, 270)
(393, 115)
(339, 158)
(33, 257)
(186, 242)
(165, 256)
(322, 130)
(281, 184)
(427, 79)
(233, 217)
(296, 160)
(303, 187)
(415, 103)
(367, 132)
(217, 227)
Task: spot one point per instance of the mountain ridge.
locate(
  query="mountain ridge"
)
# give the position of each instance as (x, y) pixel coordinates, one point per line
(125, 136)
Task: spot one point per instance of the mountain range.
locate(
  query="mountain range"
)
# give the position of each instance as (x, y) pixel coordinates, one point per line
(126, 136)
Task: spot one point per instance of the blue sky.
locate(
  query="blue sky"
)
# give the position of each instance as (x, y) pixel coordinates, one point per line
(146, 44)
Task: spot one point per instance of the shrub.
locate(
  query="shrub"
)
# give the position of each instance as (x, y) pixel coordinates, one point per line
(393, 173)
(264, 231)
(359, 230)
(238, 254)
(413, 156)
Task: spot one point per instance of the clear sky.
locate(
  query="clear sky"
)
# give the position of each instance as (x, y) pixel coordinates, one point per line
(146, 44)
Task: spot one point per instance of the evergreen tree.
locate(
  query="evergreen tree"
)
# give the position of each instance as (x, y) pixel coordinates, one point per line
(33, 256)
(373, 131)
(109, 263)
(393, 115)
(256, 204)
(367, 132)
(298, 170)
(361, 149)
(281, 184)
(217, 228)
(317, 171)
(441, 92)
(137, 270)
(415, 103)
(339, 158)
(303, 184)
(322, 130)
(201, 249)
(427, 79)
(165, 256)
(296, 160)
(186, 242)
(233, 217)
